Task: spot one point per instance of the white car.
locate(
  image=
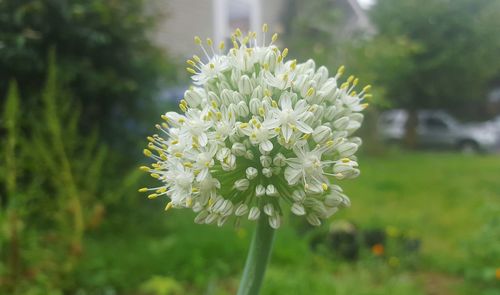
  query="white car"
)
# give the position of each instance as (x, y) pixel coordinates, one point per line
(440, 130)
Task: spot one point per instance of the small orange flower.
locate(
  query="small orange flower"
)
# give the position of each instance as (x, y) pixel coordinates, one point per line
(497, 274)
(378, 249)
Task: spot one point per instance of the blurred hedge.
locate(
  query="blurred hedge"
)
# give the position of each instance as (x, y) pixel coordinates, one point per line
(108, 62)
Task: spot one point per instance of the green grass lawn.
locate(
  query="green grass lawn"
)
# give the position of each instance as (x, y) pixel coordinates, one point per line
(450, 202)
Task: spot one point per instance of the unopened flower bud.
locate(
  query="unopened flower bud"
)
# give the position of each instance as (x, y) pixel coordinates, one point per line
(251, 173)
(241, 184)
(260, 190)
(254, 213)
(298, 209)
(271, 190)
(322, 133)
(244, 85)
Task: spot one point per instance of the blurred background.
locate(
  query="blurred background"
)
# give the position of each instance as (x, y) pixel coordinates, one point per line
(82, 83)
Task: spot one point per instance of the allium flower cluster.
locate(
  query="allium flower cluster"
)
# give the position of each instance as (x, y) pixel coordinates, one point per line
(258, 132)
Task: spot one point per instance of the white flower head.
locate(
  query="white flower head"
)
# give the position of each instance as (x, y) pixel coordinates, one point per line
(256, 134)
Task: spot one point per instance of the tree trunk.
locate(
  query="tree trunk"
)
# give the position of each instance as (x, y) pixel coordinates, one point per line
(411, 139)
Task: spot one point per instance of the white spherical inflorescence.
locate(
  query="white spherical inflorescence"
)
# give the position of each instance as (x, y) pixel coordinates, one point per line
(258, 132)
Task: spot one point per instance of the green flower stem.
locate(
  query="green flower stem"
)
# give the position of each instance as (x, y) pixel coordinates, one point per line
(258, 257)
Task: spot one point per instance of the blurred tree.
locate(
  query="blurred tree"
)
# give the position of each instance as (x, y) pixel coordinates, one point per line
(107, 60)
(426, 54)
(458, 49)
(54, 187)
(457, 57)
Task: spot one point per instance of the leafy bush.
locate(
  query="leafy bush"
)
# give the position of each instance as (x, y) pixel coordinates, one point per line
(110, 66)
(56, 189)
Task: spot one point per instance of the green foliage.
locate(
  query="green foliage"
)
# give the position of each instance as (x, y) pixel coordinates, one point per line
(109, 63)
(56, 190)
(457, 56)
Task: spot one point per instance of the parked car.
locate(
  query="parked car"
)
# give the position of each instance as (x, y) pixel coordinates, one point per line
(439, 129)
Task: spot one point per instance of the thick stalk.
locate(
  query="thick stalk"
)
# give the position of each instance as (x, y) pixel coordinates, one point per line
(258, 258)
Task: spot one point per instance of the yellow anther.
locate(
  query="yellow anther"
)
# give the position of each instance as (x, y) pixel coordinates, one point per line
(367, 88)
(364, 106)
(367, 96)
(285, 52)
(169, 205)
(353, 93)
(189, 202)
(182, 107)
(274, 38)
(237, 33)
(214, 104)
(274, 104)
(293, 65)
(195, 145)
(210, 202)
(341, 70)
(267, 92)
(253, 135)
(209, 42)
(195, 190)
(196, 58)
(161, 190)
(178, 154)
(243, 125)
(261, 111)
(344, 85)
(254, 121)
(212, 66)
(143, 190)
(280, 58)
(349, 80)
(164, 125)
(191, 63)
(145, 168)
(188, 165)
(191, 70)
(235, 45)
(182, 120)
(175, 141)
(147, 153)
(245, 40)
(306, 136)
(265, 66)
(219, 115)
(324, 186)
(163, 157)
(150, 139)
(345, 160)
(155, 175)
(265, 28)
(164, 117)
(310, 92)
(285, 77)
(197, 40)
(294, 128)
(355, 82)
(329, 143)
(277, 129)
(222, 45)
(152, 196)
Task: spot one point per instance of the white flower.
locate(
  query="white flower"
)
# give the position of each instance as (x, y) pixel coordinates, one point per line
(258, 132)
(287, 117)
